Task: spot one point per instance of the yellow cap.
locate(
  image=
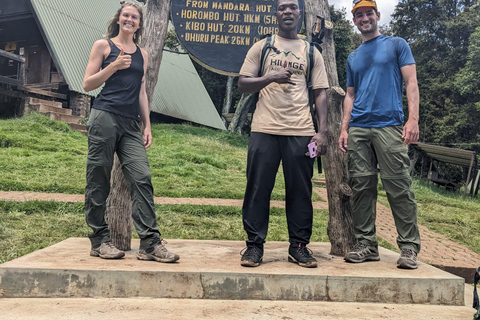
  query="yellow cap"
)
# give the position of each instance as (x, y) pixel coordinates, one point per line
(364, 3)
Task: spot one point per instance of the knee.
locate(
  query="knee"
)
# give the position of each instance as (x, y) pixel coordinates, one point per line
(398, 188)
(363, 183)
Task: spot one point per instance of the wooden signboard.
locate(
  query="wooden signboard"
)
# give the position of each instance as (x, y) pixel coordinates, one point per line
(218, 33)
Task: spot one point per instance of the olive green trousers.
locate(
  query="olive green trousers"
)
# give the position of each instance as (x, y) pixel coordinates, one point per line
(109, 133)
(374, 150)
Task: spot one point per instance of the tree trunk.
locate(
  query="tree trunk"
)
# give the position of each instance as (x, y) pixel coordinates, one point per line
(228, 95)
(241, 113)
(119, 206)
(119, 209)
(340, 227)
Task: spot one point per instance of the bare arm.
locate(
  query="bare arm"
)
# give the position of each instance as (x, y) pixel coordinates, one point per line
(255, 84)
(347, 115)
(320, 138)
(94, 77)
(411, 132)
(144, 107)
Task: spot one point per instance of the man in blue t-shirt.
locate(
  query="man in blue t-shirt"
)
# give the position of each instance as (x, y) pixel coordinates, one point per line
(374, 136)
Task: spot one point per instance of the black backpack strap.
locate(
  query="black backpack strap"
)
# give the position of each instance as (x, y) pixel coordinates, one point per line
(269, 40)
(267, 46)
(310, 64)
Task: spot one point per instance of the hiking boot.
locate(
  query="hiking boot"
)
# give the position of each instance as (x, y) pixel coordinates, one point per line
(158, 253)
(301, 255)
(407, 260)
(107, 251)
(361, 253)
(252, 256)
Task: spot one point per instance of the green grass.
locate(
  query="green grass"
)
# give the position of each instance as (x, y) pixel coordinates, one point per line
(29, 226)
(38, 154)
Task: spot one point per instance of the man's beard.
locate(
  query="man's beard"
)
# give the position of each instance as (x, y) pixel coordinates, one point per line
(371, 30)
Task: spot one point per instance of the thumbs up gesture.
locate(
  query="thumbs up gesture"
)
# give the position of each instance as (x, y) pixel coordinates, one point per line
(123, 60)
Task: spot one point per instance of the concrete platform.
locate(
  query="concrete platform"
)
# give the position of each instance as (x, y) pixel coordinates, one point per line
(211, 270)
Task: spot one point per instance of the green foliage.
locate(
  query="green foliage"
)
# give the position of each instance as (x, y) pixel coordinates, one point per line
(443, 38)
(171, 41)
(343, 38)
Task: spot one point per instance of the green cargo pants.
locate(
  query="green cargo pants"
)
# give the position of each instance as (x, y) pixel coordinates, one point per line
(109, 133)
(382, 147)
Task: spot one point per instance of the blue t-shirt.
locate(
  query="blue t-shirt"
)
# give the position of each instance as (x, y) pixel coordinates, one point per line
(373, 70)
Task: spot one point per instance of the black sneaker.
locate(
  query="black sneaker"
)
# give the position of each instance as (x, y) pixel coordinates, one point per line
(302, 255)
(407, 260)
(361, 253)
(252, 256)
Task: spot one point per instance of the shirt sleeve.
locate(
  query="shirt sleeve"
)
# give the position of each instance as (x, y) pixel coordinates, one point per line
(319, 73)
(404, 53)
(349, 73)
(251, 64)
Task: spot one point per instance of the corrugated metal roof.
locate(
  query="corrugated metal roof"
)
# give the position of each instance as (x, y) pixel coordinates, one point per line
(72, 26)
(450, 155)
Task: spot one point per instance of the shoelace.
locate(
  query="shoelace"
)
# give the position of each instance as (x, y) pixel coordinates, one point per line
(304, 251)
(358, 246)
(247, 250)
(409, 254)
(110, 244)
(162, 244)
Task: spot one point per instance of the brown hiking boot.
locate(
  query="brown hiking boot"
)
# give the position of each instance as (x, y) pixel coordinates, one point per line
(159, 253)
(407, 260)
(107, 251)
(361, 253)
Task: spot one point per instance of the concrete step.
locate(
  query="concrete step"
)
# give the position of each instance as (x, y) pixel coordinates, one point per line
(211, 270)
(63, 117)
(202, 309)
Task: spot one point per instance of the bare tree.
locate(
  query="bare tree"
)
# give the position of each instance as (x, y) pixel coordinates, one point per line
(119, 206)
(340, 230)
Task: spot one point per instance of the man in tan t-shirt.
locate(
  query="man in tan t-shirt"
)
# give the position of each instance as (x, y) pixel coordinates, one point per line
(282, 127)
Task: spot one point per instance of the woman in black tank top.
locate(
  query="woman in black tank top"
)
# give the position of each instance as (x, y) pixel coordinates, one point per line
(113, 127)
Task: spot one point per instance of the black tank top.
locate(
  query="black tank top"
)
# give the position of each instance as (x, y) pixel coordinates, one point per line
(121, 91)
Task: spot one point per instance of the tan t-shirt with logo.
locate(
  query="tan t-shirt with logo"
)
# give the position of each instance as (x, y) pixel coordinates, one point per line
(283, 109)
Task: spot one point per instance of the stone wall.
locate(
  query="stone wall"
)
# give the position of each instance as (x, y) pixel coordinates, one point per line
(80, 104)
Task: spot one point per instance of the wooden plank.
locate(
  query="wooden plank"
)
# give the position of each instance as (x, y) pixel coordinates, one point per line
(11, 81)
(11, 93)
(43, 92)
(11, 56)
(45, 86)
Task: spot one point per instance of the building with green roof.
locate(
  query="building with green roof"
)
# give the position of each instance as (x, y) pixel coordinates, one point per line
(55, 38)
